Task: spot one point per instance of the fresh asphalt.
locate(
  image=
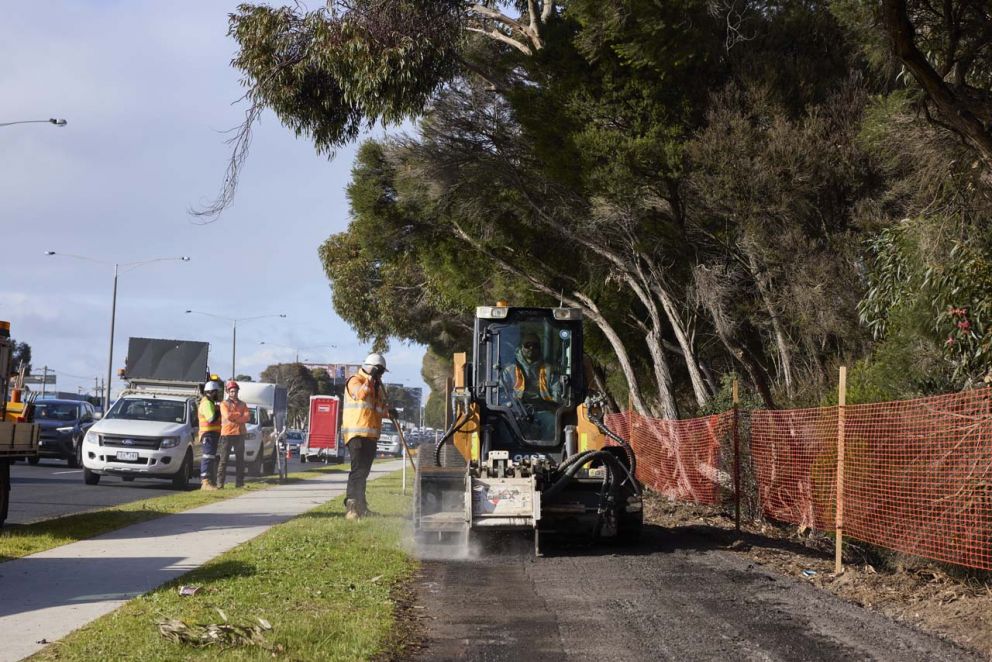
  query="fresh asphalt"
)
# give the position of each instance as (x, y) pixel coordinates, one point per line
(52, 489)
(45, 596)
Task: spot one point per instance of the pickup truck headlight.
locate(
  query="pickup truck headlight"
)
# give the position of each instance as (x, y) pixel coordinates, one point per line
(66, 430)
(169, 442)
(92, 438)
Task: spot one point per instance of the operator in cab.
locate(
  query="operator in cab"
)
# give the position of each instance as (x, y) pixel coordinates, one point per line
(210, 422)
(533, 384)
(364, 409)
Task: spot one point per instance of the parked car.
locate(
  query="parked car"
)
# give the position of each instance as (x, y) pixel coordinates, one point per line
(63, 425)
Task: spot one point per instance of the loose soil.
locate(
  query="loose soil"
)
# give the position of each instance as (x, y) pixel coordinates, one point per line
(935, 598)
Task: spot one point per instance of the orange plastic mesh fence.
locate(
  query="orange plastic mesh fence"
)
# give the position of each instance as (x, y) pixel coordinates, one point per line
(795, 464)
(918, 476)
(679, 459)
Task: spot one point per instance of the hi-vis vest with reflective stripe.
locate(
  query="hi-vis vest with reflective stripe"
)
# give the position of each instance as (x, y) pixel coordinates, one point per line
(209, 415)
(364, 407)
(520, 383)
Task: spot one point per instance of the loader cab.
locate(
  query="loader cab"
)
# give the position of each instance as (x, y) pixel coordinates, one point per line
(527, 377)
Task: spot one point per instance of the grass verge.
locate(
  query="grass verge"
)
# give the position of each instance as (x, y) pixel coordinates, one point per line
(321, 582)
(17, 540)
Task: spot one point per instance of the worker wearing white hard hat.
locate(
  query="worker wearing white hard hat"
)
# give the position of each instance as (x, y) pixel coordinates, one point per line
(210, 422)
(364, 409)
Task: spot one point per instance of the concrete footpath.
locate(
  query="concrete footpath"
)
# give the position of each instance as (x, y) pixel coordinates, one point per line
(46, 596)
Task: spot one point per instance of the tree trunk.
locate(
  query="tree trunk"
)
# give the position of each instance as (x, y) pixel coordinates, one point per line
(778, 331)
(688, 351)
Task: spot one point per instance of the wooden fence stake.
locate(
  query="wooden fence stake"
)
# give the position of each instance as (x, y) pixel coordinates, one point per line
(841, 402)
(737, 461)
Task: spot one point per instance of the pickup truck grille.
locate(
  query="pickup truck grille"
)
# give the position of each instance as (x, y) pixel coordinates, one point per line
(146, 443)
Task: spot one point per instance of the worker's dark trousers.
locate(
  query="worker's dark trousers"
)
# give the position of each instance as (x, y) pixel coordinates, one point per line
(208, 460)
(227, 442)
(362, 450)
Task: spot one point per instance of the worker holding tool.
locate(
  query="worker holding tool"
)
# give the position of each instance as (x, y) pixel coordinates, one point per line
(210, 424)
(364, 409)
(234, 416)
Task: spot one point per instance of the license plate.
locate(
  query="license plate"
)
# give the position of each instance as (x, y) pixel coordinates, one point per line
(128, 456)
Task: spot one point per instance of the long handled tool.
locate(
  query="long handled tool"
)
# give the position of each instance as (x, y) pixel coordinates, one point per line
(406, 448)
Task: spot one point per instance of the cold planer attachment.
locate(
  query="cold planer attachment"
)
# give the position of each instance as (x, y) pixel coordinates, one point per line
(527, 449)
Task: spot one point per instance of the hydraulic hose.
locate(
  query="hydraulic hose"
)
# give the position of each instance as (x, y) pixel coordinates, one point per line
(598, 421)
(613, 466)
(457, 425)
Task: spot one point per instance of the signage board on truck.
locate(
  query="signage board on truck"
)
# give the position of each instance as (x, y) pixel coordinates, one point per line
(321, 443)
(166, 360)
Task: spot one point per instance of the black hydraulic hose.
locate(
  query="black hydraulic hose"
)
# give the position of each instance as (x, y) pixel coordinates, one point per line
(598, 421)
(613, 465)
(455, 427)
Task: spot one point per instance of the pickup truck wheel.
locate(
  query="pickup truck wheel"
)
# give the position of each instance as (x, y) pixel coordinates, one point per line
(76, 459)
(255, 466)
(180, 480)
(90, 478)
(33, 460)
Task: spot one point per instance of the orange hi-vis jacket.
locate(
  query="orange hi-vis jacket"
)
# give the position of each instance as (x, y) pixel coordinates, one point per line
(364, 407)
(520, 383)
(209, 415)
(233, 418)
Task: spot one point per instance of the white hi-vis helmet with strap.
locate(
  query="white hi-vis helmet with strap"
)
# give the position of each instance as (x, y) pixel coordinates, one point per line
(375, 358)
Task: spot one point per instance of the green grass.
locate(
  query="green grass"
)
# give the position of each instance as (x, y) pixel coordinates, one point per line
(17, 540)
(322, 582)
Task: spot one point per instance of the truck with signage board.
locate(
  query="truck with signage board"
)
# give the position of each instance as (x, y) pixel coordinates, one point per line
(150, 431)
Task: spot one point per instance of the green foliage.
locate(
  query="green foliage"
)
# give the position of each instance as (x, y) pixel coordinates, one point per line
(20, 357)
(330, 73)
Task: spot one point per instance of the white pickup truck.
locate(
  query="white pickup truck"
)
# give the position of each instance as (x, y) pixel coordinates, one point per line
(149, 432)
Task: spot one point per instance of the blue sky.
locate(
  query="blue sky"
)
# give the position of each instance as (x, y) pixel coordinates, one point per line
(147, 88)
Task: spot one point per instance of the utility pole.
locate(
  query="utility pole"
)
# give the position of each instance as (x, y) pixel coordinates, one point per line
(44, 380)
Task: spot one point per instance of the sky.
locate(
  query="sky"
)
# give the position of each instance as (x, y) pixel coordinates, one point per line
(147, 90)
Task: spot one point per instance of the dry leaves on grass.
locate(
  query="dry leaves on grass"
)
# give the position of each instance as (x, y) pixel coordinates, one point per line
(227, 635)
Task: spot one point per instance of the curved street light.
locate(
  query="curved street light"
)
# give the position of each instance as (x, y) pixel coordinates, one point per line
(234, 330)
(297, 350)
(119, 267)
(50, 120)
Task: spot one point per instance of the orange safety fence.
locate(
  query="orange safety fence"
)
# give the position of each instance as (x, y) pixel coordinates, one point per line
(795, 464)
(679, 459)
(918, 476)
(917, 473)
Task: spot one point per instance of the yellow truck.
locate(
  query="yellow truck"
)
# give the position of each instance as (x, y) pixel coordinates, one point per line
(18, 434)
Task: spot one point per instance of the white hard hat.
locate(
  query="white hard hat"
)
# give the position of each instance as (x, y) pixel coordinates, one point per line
(211, 386)
(375, 358)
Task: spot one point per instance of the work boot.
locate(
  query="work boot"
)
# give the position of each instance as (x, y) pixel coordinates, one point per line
(351, 510)
(206, 485)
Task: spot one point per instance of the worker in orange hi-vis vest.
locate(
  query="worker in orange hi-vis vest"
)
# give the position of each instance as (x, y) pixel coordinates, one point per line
(208, 414)
(234, 415)
(364, 409)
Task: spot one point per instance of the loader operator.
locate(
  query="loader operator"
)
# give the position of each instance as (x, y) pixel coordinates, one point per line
(364, 408)
(536, 389)
(234, 416)
(209, 415)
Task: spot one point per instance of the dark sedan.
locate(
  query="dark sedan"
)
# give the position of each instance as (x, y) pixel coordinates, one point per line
(63, 425)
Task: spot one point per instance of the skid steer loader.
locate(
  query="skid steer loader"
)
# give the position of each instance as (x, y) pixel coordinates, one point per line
(526, 448)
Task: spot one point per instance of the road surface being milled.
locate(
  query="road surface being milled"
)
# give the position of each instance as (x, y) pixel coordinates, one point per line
(670, 598)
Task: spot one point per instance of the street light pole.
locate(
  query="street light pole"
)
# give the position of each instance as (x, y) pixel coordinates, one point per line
(113, 301)
(51, 120)
(110, 354)
(234, 328)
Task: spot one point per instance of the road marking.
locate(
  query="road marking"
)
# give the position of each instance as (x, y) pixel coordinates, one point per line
(76, 471)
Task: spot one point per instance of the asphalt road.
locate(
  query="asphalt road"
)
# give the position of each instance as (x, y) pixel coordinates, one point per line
(51, 489)
(676, 596)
